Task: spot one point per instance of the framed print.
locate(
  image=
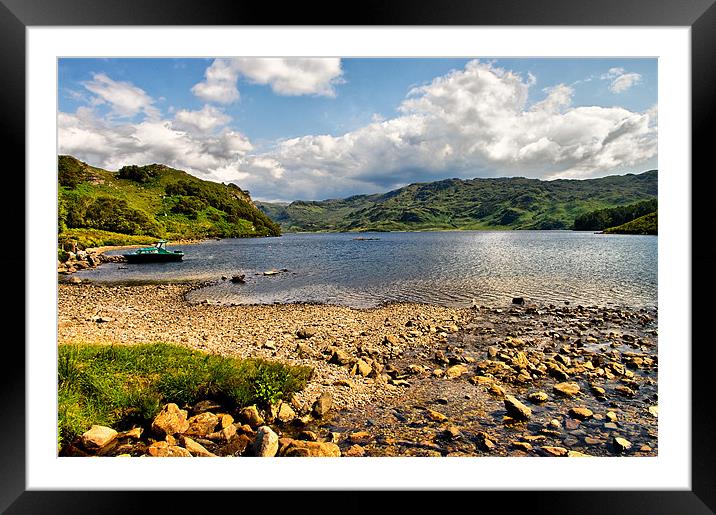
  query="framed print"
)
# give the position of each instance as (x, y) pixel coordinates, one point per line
(467, 291)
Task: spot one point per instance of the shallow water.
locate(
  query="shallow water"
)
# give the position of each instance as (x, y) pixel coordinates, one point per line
(446, 268)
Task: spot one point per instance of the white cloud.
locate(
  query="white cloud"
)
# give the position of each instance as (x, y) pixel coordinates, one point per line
(206, 119)
(124, 99)
(468, 123)
(285, 76)
(620, 80)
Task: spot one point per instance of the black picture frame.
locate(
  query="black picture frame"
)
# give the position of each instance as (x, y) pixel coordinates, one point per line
(699, 15)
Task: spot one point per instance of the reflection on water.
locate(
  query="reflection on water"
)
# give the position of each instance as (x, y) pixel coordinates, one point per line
(448, 268)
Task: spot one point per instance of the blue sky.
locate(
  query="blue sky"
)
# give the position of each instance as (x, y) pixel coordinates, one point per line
(324, 128)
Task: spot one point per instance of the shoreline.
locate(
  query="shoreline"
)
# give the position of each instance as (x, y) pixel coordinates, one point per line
(408, 373)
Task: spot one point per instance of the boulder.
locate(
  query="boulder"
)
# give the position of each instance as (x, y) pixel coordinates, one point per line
(171, 420)
(322, 405)
(538, 397)
(516, 409)
(285, 413)
(266, 442)
(305, 333)
(98, 437)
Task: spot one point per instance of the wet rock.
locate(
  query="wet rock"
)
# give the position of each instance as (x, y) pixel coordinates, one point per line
(251, 416)
(265, 443)
(621, 444)
(303, 448)
(170, 420)
(98, 437)
(202, 424)
(516, 409)
(580, 413)
(322, 405)
(568, 389)
(538, 397)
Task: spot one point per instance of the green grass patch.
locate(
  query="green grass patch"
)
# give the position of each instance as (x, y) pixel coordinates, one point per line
(120, 385)
(86, 238)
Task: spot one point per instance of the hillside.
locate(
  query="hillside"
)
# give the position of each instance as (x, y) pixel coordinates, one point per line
(646, 224)
(614, 216)
(141, 203)
(503, 203)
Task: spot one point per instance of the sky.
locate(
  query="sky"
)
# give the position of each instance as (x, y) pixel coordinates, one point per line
(319, 128)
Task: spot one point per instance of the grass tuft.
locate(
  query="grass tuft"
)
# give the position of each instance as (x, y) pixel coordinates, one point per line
(118, 385)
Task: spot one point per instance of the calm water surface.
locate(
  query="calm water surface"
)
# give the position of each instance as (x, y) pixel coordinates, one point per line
(447, 268)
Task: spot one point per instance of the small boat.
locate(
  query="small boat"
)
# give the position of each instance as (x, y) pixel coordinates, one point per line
(156, 254)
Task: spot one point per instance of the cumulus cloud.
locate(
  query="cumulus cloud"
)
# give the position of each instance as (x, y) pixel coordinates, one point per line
(471, 122)
(285, 76)
(205, 119)
(124, 99)
(620, 79)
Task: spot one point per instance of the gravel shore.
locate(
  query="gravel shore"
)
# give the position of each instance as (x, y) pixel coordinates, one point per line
(413, 379)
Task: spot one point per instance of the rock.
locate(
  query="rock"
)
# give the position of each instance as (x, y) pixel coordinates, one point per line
(484, 441)
(624, 390)
(322, 405)
(164, 450)
(522, 446)
(344, 382)
(195, 448)
(538, 397)
(363, 368)
(452, 433)
(240, 278)
(577, 454)
(202, 424)
(97, 437)
(496, 390)
(305, 333)
(455, 371)
(610, 425)
(360, 437)
(340, 357)
(135, 432)
(621, 444)
(612, 416)
(481, 380)
(171, 420)
(436, 416)
(303, 448)
(266, 442)
(654, 410)
(391, 339)
(571, 424)
(269, 344)
(516, 409)
(225, 420)
(518, 300)
(285, 413)
(568, 389)
(250, 415)
(308, 435)
(580, 413)
(515, 342)
(554, 451)
(355, 451)
(592, 441)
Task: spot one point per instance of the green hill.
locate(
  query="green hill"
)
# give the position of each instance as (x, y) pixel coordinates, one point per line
(141, 203)
(647, 224)
(503, 203)
(611, 217)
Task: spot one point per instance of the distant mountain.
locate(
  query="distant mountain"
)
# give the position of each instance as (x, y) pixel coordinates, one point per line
(140, 203)
(503, 203)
